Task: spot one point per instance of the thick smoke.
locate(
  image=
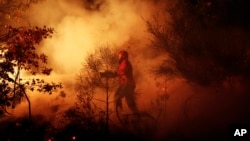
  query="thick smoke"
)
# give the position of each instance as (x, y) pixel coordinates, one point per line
(81, 27)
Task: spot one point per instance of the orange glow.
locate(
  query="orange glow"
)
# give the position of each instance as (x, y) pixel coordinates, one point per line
(81, 26)
(79, 31)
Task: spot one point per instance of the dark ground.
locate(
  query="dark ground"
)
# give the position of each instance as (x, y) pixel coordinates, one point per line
(206, 118)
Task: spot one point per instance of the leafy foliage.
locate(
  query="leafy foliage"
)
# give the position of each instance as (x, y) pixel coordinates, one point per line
(18, 51)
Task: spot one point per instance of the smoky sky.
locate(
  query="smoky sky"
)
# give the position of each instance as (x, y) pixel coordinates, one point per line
(81, 26)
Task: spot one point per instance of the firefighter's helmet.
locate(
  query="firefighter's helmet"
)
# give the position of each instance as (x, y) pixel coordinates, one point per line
(124, 54)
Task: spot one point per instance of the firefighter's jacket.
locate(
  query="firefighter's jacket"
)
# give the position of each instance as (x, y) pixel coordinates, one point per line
(125, 73)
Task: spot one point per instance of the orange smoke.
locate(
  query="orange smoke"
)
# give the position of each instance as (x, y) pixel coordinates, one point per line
(81, 27)
(79, 30)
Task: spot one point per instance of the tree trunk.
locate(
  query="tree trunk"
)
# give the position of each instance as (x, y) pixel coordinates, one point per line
(29, 105)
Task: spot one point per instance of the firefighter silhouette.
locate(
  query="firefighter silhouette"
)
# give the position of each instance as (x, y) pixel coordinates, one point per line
(127, 84)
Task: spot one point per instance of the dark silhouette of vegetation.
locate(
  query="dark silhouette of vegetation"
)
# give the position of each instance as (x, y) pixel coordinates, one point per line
(18, 52)
(206, 42)
(89, 118)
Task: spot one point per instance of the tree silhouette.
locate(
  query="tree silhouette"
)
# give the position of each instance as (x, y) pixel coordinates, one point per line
(18, 52)
(203, 43)
(89, 84)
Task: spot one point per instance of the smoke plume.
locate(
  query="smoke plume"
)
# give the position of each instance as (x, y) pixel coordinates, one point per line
(80, 27)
